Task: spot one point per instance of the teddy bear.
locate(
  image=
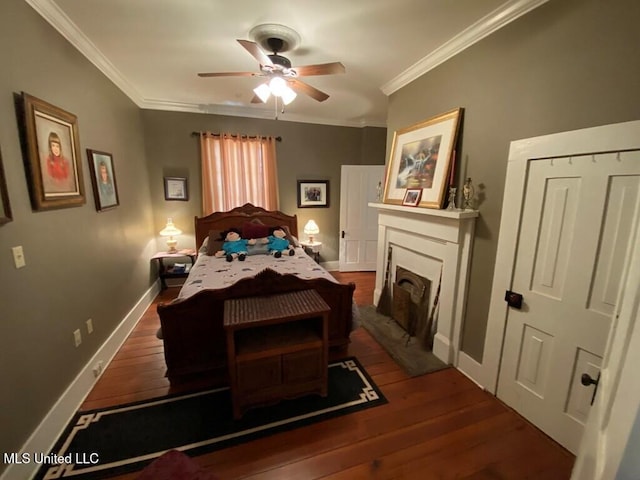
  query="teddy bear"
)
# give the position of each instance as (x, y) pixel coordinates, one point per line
(234, 246)
(277, 243)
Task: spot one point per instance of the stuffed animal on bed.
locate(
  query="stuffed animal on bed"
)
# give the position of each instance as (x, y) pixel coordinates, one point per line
(278, 244)
(234, 246)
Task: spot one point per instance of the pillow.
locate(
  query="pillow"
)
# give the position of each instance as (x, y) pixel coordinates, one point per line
(203, 248)
(254, 229)
(258, 249)
(292, 239)
(214, 242)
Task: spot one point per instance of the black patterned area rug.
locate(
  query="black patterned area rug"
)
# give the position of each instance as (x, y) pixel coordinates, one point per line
(407, 352)
(107, 442)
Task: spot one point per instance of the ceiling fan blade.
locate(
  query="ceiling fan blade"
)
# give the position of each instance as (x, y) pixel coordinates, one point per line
(228, 74)
(307, 89)
(320, 69)
(256, 99)
(256, 52)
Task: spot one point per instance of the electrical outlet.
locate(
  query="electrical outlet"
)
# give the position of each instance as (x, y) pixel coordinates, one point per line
(98, 368)
(89, 326)
(77, 337)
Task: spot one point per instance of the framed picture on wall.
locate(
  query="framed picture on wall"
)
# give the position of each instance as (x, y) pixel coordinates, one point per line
(103, 179)
(422, 157)
(175, 188)
(313, 193)
(52, 150)
(5, 207)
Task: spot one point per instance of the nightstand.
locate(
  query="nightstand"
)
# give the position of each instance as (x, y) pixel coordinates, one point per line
(169, 271)
(313, 249)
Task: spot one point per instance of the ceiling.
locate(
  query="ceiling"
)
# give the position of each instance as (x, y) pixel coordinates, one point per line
(153, 49)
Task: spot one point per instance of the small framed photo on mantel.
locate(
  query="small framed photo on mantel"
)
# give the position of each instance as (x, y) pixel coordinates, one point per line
(412, 197)
(175, 188)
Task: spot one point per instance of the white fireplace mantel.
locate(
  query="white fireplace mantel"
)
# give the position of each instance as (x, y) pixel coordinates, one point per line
(430, 243)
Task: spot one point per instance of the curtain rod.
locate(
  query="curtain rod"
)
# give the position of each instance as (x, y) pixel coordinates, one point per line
(194, 134)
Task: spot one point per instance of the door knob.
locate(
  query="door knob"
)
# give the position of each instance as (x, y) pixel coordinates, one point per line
(513, 299)
(587, 380)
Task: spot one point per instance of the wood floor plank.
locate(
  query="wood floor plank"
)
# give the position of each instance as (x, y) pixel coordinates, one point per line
(439, 425)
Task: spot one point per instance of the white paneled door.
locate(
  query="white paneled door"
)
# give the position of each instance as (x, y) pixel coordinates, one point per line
(359, 185)
(574, 234)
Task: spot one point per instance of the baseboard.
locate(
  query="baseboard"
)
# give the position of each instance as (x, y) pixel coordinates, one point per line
(45, 435)
(470, 368)
(442, 348)
(331, 266)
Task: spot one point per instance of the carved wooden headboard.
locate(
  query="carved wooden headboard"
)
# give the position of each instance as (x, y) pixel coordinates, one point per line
(238, 216)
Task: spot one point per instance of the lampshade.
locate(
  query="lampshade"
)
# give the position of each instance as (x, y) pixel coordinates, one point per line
(311, 229)
(277, 86)
(288, 96)
(169, 231)
(263, 92)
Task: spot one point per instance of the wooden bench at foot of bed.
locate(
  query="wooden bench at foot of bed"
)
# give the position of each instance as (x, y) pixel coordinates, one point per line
(193, 333)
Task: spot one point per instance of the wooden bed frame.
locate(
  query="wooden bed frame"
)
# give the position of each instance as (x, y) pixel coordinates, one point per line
(192, 331)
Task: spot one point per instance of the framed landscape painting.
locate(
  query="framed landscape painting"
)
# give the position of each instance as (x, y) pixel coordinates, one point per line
(422, 158)
(52, 151)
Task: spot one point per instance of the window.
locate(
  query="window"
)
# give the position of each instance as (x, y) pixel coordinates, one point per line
(236, 170)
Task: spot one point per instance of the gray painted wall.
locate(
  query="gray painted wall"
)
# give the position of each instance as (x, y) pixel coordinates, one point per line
(306, 152)
(80, 263)
(567, 65)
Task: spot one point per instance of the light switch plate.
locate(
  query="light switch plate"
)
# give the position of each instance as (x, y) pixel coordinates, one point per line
(18, 256)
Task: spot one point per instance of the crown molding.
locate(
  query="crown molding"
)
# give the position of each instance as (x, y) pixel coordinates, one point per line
(252, 112)
(505, 14)
(63, 24)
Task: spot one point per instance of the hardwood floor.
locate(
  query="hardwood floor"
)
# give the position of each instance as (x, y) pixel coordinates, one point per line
(437, 426)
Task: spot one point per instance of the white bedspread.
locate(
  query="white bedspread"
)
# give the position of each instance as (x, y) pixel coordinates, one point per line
(210, 273)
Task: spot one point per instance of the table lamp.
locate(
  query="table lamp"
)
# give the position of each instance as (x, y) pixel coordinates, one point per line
(169, 231)
(311, 229)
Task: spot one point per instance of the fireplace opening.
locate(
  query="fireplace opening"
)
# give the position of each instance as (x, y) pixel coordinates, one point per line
(410, 305)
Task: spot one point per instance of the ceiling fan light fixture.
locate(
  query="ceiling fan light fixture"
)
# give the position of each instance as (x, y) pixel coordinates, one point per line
(263, 92)
(277, 86)
(288, 95)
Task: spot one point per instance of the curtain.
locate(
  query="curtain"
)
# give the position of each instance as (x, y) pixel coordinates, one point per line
(237, 170)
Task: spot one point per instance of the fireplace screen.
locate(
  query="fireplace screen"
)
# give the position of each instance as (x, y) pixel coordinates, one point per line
(411, 303)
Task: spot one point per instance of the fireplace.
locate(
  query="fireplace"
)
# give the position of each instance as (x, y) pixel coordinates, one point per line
(435, 245)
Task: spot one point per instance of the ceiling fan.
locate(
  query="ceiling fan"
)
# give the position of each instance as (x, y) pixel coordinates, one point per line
(282, 77)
